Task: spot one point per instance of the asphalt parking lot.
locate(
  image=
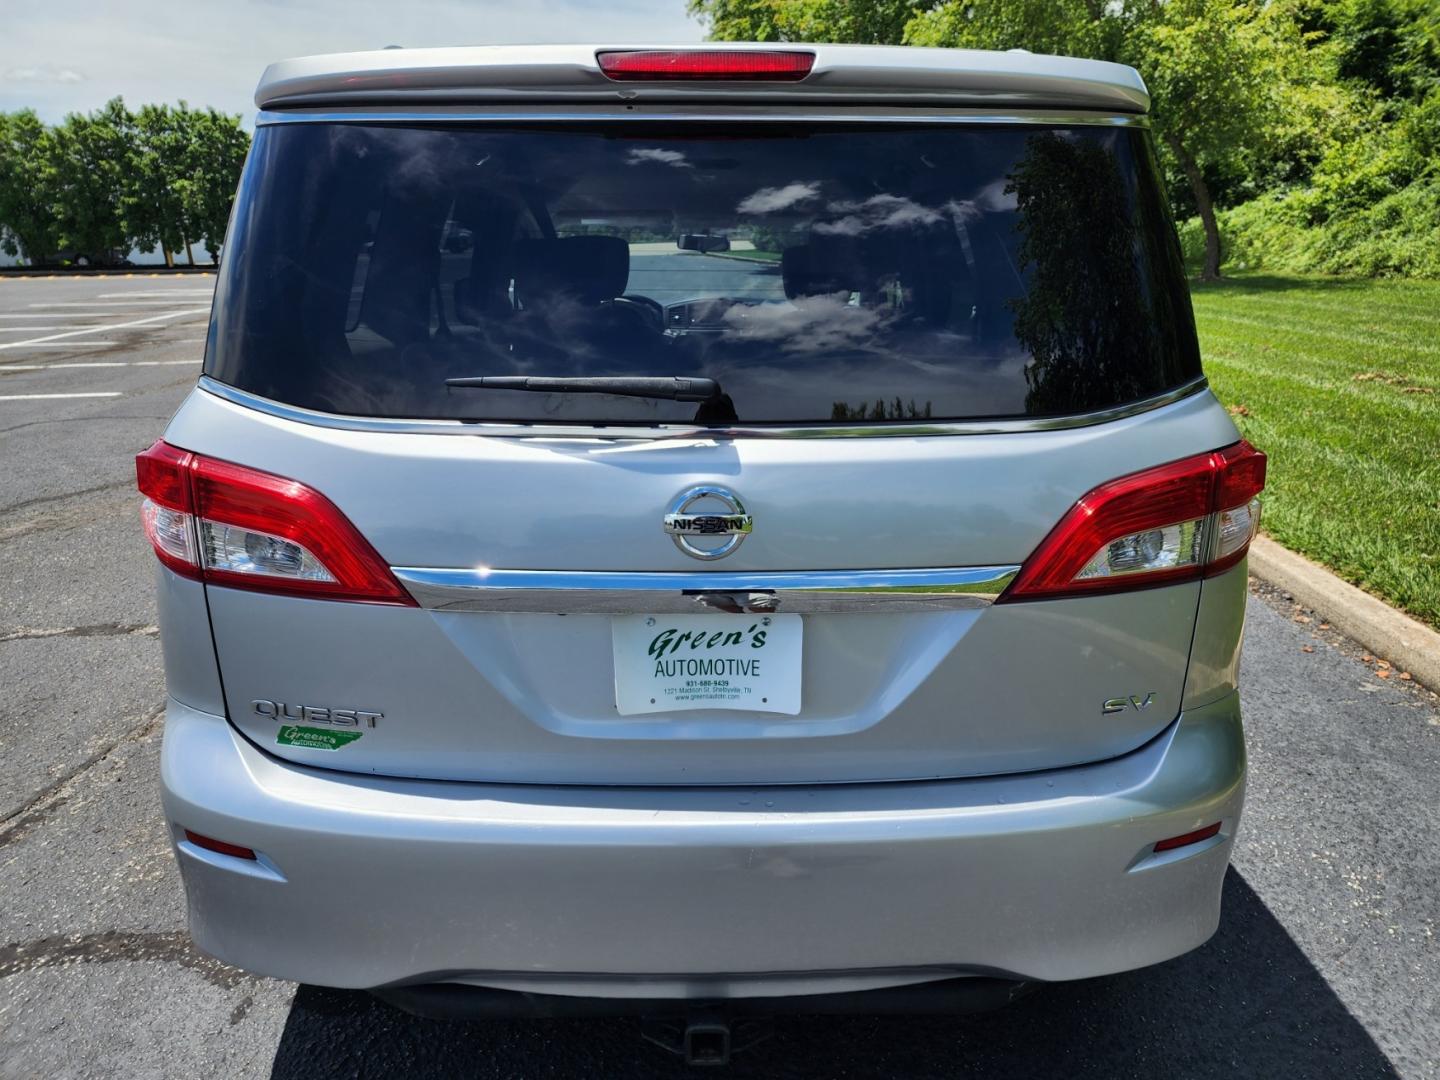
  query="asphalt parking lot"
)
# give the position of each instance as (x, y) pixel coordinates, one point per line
(1326, 963)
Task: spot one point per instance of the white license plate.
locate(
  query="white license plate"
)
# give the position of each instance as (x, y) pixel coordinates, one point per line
(669, 663)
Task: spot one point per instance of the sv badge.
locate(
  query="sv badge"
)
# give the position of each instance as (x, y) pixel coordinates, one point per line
(1120, 704)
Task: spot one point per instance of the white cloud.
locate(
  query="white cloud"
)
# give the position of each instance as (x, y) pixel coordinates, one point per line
(772, 199)
(876, 212)
(812, 324)
(42, 74)
(673, 158)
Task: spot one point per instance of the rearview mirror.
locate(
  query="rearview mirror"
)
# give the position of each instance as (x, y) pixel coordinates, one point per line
(702, 242)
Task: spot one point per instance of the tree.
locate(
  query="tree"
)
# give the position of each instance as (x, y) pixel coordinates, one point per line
(154, 201)
(1063, 27)
(188, 164)
(92, 161)
(218, 147)
(1215, 70)
(1214, 67)
(853, 21)
(27, 220)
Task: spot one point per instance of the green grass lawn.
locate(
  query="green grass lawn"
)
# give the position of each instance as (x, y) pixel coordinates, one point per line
(1338, 381)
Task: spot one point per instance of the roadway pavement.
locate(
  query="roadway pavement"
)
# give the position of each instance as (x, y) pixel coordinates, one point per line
(1326, 963)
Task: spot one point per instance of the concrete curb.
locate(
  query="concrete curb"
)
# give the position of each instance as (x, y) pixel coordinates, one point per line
(1408, 645)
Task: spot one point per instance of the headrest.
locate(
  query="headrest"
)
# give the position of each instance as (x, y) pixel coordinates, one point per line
(584, 268)
(823, 266)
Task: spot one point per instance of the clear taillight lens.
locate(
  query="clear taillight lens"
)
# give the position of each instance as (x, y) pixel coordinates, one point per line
(231, 525)
(171, 531)
(1191, 518)
(244, 551)
(1164, 548)
(1234, 529)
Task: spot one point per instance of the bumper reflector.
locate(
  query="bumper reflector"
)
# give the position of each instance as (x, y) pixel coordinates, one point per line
(1186, 839)
(219, 846)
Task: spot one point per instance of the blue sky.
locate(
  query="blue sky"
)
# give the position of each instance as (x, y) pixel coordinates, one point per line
(60, 56)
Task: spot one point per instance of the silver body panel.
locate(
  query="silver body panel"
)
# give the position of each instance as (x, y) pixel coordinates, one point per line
(570, 73)
(700, 892)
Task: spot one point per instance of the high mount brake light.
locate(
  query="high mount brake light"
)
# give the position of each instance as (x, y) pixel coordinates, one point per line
(230, 525)
(733, 65)
(1189, 519)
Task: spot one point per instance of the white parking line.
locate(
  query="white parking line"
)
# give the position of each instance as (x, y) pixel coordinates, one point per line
(109, 303)
(160, 292)
(33, 329)
(53, 315)
(109, 326)
(34, 397)
(96, 363)
(60, 344)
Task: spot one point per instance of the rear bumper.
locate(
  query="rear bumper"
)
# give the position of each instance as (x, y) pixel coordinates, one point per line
(714, 892)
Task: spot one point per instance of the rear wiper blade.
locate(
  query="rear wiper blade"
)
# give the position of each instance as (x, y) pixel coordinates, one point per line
(668, 387)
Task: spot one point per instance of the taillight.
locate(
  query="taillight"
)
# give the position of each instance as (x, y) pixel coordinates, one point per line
(1177, 522)
(736, 65)
(231, 525)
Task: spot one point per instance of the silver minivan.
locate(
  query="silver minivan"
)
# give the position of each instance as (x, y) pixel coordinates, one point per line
(741, 527)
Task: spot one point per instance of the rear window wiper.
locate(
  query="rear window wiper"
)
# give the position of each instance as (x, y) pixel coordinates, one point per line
(668, 387)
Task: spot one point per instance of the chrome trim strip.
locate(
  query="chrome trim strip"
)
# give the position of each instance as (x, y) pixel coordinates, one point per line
(338, 422)
(577, 592)
(895, 113)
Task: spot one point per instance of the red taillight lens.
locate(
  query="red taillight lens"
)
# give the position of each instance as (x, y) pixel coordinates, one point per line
(1175, 522)
(236, 526)
(742, 65)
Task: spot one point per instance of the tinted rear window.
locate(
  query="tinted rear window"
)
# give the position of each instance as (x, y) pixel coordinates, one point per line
(819, 274)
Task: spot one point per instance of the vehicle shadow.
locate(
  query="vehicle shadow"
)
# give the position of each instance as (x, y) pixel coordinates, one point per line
(1248, 1003)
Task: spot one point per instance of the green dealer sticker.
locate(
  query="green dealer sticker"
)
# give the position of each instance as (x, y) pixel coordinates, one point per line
(315, 738)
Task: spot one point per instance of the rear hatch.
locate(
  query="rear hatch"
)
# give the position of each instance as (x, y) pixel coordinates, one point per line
(884, 362)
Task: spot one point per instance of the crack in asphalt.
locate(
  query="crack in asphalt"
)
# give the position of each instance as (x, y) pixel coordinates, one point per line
(35, 809)
(169, 947)
(81, 513)
(93, 630)
(79, 419)
(43, 500)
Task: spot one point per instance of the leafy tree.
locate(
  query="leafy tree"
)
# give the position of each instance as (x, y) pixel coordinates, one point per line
(101, 184)
(218, 148)
(1216, 73)
(1065, 27)
(853, 21)
(188, 164)
(154, 202)
(1389, 46)
(27, 223)
(92, 161)
(1214, 68)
